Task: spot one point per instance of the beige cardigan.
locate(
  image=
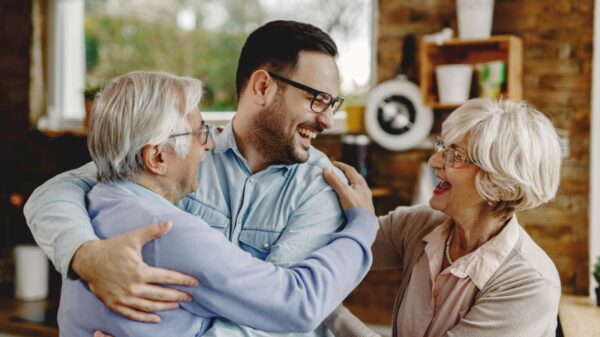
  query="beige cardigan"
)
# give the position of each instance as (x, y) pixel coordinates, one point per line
(520, 299)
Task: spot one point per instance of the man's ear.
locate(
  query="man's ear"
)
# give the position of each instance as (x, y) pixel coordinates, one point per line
(155, 159)
(262, 87)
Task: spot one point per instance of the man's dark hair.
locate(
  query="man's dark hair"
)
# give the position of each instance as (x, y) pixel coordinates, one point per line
(275, 47)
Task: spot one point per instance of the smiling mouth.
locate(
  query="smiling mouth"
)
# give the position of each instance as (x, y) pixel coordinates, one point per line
(442, 187)
(306, 135)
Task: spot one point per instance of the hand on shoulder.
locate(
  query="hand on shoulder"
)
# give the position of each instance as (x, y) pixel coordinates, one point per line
(354, 194)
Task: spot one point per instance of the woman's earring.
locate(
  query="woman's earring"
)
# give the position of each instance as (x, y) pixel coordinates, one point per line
(490, 203)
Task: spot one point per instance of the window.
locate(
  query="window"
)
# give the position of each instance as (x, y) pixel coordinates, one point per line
(201, 39)
(66, 65)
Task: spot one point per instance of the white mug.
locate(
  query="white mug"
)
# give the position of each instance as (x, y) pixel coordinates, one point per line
(454, 82)
(31, 273)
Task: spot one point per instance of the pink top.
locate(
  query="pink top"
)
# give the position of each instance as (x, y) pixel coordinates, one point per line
(435, 302)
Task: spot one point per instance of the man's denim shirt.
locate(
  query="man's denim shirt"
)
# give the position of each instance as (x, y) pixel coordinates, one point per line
(280, 214)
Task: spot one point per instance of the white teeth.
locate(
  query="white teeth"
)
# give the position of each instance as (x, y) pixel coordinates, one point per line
(308, 133)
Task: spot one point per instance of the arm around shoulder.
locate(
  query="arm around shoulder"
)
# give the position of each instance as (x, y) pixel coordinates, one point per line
(235, 285)
(57, 217)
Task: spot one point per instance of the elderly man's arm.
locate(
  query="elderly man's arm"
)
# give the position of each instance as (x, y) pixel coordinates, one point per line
(57, 217)
(255, 293)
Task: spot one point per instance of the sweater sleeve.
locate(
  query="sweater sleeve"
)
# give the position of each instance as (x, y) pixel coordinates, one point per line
(252, 292)
(343, 323)
(396, 230)
(57, 216)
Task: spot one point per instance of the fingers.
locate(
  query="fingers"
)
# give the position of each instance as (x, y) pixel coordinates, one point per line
(357, 194)
(149, 233)
(165, 276)
(335, 182)
(162, 294)
(136, 315)
(349, 171)
(354, 178)
(147, 306)
(101, 334)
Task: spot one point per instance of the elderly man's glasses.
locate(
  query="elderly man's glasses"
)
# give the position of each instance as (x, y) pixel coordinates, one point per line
(203, 133)
(451, 157)
(320, 100)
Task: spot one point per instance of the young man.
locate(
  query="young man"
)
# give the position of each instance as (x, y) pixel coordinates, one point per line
(264, 189)
(147, 139)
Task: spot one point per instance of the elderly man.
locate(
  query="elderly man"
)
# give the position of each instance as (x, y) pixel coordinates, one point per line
(147, 139)
(266, 194)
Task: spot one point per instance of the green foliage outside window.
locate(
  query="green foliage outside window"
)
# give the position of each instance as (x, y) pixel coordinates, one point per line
(126, 35)
(122, 44)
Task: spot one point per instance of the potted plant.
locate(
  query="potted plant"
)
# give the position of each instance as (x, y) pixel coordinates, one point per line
(596, 274)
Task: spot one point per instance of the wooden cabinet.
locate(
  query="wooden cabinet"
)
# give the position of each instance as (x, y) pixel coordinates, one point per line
(505, 48)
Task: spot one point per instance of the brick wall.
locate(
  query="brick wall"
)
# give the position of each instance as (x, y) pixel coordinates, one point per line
(557, 36)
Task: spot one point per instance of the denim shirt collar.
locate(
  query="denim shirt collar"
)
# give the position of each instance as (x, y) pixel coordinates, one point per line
(225, 141)
(144, 193)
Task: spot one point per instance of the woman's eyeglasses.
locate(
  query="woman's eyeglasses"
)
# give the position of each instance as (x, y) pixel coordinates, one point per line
(451, 157)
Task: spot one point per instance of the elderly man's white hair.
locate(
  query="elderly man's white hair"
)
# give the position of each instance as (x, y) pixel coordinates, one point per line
(135, 110)
(515, 145)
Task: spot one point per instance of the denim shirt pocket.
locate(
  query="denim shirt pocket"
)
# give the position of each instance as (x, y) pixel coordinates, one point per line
(214, 218)
(258, 242)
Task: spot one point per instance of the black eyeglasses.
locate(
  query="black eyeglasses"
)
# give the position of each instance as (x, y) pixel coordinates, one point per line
(203, 132)
(320, 100)
(451, 157)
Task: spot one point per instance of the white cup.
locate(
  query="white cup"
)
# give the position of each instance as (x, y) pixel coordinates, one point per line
(31, 269)
(474, 18)
(454, 82)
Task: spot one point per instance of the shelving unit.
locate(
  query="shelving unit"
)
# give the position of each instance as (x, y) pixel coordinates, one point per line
(507, 48)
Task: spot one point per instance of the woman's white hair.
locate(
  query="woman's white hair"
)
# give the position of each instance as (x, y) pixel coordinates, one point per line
(515, 145)
(135, 110)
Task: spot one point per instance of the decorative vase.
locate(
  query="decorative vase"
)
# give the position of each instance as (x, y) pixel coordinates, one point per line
(474, 18)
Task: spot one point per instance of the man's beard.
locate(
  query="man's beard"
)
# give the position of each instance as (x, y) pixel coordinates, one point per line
(272, 139)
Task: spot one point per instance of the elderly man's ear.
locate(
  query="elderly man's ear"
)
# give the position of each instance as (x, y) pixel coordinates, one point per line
(155, 158)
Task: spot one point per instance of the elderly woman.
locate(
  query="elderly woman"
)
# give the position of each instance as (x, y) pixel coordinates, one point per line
(469, 267)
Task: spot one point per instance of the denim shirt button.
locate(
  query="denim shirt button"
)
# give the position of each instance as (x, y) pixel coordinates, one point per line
(266, 245)
(251, 180)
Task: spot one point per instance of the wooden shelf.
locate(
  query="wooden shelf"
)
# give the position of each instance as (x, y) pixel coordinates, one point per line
(506, 48)
(66, 132)
(380, 192)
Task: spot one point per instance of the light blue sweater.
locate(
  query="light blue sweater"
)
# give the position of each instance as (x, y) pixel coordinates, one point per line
(233, 284)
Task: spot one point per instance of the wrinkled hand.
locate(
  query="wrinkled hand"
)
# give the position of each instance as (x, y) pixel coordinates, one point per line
(356, 194)
(117, 275)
